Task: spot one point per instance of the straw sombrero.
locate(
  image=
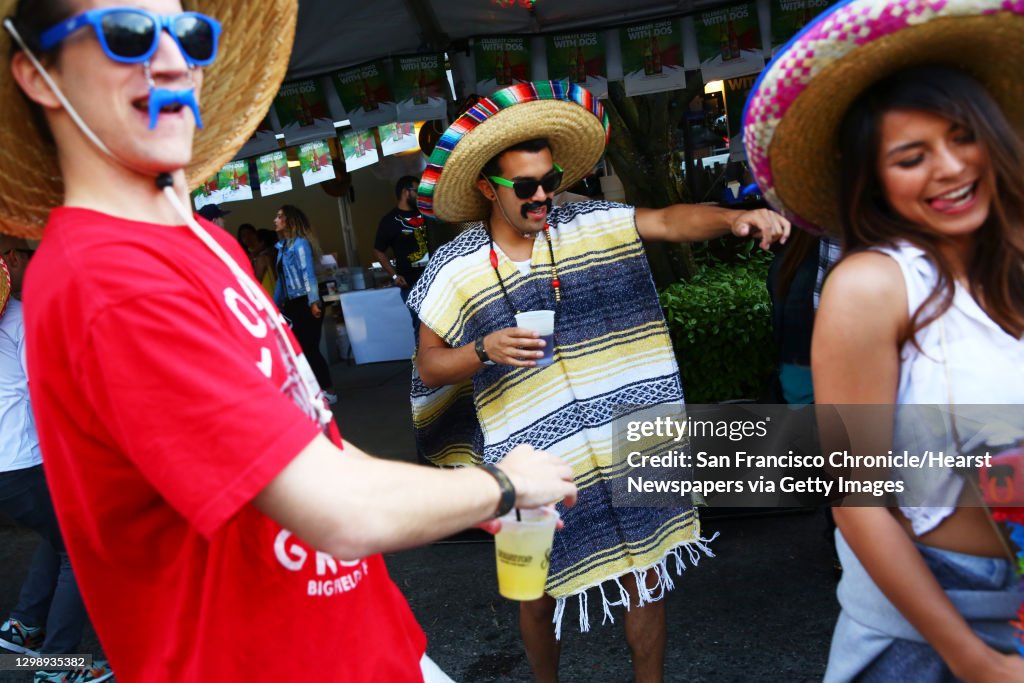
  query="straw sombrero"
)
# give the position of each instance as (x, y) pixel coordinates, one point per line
(237, 91)
(5, 286)
(793, 114)
(569, 116)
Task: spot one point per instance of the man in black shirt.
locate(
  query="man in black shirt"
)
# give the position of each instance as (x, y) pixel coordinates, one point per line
(402, 230)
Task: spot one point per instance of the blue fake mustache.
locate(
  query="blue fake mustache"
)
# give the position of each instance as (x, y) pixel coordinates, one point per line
(162, 97)
(533, 206)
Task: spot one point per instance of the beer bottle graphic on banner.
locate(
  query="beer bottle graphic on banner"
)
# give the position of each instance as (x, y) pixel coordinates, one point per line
(275, 171)
(655, 56)
(506, 69)
(581, 65)
(305, 112)
(805, 17)
(648, 60)
(371, 97)
(498, 75)
(420, 91)
(734, 42)
(723, 43)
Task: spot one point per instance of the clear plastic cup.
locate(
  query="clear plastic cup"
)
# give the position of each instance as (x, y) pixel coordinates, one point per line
(543, 323)
(523, 552)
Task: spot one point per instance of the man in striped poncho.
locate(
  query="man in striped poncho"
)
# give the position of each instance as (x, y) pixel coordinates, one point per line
(480, 390)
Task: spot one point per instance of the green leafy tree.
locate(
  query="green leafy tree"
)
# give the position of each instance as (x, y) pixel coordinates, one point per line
(645, 151)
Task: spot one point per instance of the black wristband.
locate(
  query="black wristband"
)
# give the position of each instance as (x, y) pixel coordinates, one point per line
(481, 352)
(508, 491)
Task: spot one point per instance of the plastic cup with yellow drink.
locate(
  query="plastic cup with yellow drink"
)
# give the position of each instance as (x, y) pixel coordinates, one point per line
(523, 552)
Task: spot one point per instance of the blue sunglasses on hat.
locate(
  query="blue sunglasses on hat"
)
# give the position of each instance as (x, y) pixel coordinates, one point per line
(130, 35)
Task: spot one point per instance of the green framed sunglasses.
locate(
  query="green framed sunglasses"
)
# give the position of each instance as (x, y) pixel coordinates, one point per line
(527, 187)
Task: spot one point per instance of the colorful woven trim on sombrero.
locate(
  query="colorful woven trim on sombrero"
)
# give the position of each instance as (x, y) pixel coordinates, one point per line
(832, 37)
(486, 109)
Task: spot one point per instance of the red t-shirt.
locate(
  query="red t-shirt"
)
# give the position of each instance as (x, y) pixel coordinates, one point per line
(158, 395)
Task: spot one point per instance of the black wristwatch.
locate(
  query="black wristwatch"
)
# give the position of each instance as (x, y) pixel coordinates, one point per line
(508, 491)
(481, 352)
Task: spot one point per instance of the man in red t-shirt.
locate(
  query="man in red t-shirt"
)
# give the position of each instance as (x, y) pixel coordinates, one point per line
(218, 526)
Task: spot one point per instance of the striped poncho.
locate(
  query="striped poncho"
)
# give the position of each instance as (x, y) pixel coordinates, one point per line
(612, 355)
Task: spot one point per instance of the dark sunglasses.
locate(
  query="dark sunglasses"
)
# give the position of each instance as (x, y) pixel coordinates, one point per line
(527, 187)
(130, 35)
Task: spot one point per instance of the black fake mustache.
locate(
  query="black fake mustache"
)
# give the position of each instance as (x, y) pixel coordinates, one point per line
(533, 206)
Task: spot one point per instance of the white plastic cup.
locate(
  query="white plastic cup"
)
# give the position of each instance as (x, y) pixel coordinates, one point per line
(522, 550)
(543, 323)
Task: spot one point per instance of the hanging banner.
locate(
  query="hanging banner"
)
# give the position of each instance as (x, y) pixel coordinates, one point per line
(365, 93)
(207, 193)
(272, 171)
(421, 87)
(579, 58)
(315, 162)
(359, 148)
(728, 42)
(652, 57)
(501, 62)
(396, 138)
(790, 16)
(736, 90)
(233, 181)
(302, 112)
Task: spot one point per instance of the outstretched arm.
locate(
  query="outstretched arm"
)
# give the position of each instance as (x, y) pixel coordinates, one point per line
(698, 222)
(350, 505)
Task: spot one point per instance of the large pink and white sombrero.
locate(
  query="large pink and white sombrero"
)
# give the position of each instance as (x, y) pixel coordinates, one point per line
(793, 114)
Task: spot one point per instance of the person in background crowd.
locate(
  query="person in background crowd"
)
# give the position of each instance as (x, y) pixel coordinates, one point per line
(297, 291)
(263, 255)
(402, 230)
(49, 616)
(246, 234)
(153, 352)
(919, 164)
(214, 214)
(791, 287)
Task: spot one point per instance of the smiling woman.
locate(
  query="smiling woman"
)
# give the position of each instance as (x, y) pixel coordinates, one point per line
(861, 127)
(923, 151)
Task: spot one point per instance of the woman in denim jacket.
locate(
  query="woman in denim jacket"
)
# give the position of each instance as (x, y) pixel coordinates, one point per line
(297, 293)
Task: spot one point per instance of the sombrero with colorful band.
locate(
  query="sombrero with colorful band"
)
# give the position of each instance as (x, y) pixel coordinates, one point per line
(5, 286)
(792, 117)
(570, 117)
(237, 90)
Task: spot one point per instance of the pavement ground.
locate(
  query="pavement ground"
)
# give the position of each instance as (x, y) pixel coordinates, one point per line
(762, 610)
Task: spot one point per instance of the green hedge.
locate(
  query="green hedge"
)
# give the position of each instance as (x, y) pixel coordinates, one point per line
(721, 326)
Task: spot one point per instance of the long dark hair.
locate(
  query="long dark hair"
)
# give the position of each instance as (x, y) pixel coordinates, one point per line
(299, 226)
(995, 270)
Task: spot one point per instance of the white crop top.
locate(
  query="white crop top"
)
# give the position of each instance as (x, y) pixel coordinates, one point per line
(976, 364)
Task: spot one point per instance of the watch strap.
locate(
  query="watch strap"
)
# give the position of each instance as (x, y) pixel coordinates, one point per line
(508, 490)
(481, 352)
